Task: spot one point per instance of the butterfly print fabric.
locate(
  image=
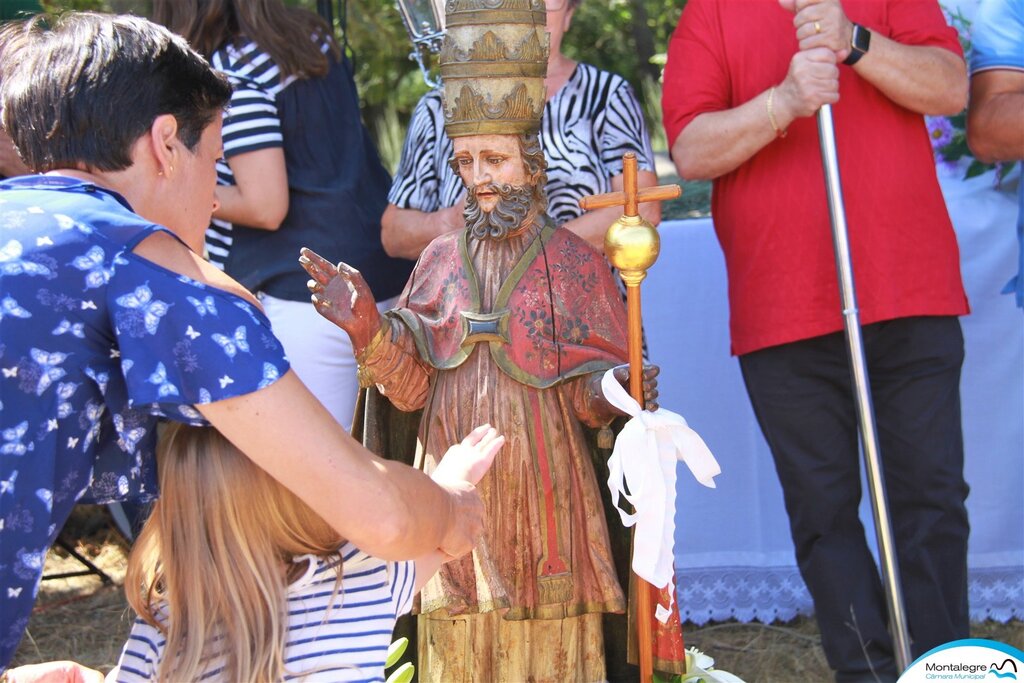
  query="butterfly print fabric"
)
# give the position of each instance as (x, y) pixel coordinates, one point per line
(97, 345)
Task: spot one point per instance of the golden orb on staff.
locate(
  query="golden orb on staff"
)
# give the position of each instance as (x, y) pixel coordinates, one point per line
(632, 245)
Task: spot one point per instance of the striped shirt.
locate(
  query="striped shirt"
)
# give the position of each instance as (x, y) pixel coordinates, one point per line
(588, 125)
(251, 121)
(343, 637)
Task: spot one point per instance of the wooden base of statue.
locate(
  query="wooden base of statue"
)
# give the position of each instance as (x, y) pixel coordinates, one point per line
(486, 647)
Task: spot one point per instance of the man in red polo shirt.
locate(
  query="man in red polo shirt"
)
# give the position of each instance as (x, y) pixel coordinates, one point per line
(742, 85)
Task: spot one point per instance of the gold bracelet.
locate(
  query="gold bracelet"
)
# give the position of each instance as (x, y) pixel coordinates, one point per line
(368, 350)
(365, 374)
(367, 378)
(779, 133)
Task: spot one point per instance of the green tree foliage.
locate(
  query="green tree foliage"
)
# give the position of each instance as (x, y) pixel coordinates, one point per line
(55, 7)
(627, 37)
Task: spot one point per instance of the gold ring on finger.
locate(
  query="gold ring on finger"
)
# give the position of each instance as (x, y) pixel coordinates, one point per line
(817, 27)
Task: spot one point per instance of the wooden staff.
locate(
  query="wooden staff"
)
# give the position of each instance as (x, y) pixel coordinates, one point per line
(632, 246)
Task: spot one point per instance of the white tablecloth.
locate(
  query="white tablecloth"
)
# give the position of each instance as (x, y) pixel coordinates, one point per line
(734, 556)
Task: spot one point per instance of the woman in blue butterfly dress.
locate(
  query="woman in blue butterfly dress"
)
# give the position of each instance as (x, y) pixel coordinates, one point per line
(110, 319)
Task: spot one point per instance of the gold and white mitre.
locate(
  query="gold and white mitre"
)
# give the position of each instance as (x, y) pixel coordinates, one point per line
(493, 63)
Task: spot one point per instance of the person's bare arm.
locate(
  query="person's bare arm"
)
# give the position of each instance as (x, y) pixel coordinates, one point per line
(378, 505)
(923, 78)
(593, 225)
(995, 117)
(259, 197)
(10, 163)
(716, 143)
(406, 232)
(426, 567)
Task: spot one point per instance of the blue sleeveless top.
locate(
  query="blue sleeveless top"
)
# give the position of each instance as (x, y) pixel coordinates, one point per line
(96, 344)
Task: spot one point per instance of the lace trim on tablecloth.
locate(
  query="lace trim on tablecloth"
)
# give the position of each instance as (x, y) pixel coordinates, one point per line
(768, 594)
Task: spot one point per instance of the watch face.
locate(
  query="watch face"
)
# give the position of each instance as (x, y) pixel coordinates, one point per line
(861, 38)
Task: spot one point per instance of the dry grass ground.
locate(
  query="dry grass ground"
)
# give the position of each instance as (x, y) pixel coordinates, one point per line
(80, 618)
(84, 620)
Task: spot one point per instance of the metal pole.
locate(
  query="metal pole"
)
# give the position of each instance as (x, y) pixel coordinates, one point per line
(865, 411)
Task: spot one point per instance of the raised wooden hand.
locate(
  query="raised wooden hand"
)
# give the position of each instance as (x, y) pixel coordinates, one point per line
(341, 295)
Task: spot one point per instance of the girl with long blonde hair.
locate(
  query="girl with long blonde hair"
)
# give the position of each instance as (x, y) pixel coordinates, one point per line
(236, 579)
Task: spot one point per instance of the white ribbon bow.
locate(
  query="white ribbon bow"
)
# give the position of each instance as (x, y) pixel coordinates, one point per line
(644, 460)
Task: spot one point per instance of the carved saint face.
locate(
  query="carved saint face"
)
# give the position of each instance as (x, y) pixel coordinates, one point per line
(483, 160)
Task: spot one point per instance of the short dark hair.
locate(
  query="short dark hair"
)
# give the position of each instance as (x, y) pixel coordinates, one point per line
(83, 93)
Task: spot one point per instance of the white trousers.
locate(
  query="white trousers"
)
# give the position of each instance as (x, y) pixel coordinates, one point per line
(320, 353)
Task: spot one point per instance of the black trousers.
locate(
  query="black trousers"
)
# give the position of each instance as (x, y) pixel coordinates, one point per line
(803, 398)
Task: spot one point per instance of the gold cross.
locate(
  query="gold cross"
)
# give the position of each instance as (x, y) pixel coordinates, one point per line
(631, 197)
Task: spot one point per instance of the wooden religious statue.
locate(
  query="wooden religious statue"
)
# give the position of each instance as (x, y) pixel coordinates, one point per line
(513, 322)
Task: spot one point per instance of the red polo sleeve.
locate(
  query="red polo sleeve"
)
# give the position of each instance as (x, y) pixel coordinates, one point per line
(696, 77)
(920, 22)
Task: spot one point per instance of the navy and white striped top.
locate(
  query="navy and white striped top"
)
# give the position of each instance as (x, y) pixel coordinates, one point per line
(343, 637)
(251, 122)
(337, 186)
(588, 125)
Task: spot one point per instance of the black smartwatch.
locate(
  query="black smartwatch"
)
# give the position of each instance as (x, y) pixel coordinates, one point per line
(860, 41)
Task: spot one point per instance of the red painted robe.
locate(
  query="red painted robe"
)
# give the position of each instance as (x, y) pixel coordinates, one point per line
(509, 332)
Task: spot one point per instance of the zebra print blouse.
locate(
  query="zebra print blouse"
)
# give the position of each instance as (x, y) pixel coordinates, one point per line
(588, 125)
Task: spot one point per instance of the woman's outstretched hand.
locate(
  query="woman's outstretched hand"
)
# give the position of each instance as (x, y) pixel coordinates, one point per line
(341, 295)
(462, 466)
(470, 460)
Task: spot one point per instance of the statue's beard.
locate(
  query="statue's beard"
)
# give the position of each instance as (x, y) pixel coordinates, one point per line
(507, 215)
